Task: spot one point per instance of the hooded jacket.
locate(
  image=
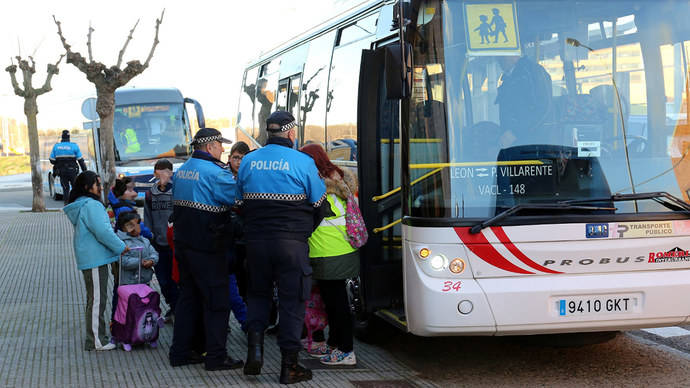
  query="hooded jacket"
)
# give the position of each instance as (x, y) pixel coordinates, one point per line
(123, 205)
(95, 242)
(130, 260)
(330, 237)
(158, 206)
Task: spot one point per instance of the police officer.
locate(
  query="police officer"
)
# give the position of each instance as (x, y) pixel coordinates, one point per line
(281, 194)
(203, 192)
(64, 157)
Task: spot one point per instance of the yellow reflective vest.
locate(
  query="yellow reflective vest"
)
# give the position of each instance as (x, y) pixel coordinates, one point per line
(330, 237)
(132, 141)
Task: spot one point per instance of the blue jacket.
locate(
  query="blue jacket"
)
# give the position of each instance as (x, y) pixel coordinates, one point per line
(280, 190)
(95, 242)
(127, 206)
(67, 154)
(203, 192)
(130, 261)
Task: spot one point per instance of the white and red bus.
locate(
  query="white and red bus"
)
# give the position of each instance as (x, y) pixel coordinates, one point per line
(522, 164)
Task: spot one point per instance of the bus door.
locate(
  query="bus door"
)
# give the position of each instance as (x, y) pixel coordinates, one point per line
(379, 190)
(288, 100)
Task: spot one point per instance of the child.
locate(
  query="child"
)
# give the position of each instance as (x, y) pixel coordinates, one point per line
(158, 207)
(499, 25)
(484, 28)
(121, 199)
(129, 231)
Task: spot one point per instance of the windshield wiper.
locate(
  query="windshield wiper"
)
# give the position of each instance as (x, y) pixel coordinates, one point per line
(560, 206)
(670, 201)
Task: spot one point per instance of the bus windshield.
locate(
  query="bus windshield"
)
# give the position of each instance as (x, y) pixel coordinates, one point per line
(150, 131)
(541, 101)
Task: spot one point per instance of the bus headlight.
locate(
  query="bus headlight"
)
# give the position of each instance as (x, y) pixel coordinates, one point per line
(437, 262)
(457, 265)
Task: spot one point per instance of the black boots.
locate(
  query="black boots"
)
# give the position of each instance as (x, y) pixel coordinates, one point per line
(255, 352)
(290, 371)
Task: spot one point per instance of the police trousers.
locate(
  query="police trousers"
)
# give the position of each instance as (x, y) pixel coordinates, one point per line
(68, 174)
(203, 293)
(285, 262)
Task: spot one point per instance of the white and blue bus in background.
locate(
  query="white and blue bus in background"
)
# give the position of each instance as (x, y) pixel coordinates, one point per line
(149, 124)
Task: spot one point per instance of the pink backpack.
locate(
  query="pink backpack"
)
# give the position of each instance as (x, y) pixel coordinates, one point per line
(315, 317)
(354, 223)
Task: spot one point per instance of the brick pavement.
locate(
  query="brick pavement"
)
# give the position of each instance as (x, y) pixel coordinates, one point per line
(42, 301)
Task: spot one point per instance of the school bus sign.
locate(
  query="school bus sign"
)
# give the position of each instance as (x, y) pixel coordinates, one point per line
(491, 28)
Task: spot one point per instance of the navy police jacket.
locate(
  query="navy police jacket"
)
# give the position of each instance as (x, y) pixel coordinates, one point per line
(203, 192)
(280, 191)
(67, 154)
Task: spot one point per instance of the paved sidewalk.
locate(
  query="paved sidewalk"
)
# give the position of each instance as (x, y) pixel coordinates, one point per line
(41, 328)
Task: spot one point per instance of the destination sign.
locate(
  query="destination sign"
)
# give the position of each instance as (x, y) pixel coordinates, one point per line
(512, 180)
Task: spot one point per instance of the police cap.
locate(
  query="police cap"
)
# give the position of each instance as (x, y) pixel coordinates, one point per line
(65, 135)
(207, 135)
(285, 119)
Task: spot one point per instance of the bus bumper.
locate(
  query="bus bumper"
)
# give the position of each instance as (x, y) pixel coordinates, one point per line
(530, 304)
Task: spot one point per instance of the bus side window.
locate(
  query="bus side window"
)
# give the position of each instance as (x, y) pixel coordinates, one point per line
(266, 87)
(245, 123)
(314, 89)
(342, 100)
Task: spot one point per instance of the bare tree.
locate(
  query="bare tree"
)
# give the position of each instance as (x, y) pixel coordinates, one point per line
(31, 110)
(107, 80)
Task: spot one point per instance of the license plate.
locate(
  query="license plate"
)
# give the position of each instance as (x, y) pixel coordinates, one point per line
(596, 305)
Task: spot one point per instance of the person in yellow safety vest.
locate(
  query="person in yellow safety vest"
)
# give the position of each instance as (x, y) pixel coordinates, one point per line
(333, 261)
(129, 137)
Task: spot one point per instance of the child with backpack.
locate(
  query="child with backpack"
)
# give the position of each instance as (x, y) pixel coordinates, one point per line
(137, 315)
(158, 208)
(121, 200)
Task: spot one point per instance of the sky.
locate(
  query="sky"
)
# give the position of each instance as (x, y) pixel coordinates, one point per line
(204, 46)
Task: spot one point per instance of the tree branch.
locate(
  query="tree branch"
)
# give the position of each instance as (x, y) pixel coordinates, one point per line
(52, 70)
(93, 70)
(12, 69)
(122, 52)
(33, 65)
(88, 42)
(62, 37)
(155, 39)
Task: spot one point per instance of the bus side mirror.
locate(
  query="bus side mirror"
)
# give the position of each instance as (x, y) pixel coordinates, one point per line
(398, 81)
(199, 111)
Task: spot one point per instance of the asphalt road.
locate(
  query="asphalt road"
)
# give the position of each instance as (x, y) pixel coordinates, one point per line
(15, 193)
(582, 360)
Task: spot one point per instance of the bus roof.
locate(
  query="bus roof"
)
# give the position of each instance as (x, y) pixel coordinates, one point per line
(130, 96)
(332, 23)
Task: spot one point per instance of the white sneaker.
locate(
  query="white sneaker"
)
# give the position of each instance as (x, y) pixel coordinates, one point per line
(339, 358)
(108, 346)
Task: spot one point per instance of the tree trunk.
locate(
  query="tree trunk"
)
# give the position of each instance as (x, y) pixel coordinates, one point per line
(31, 110)
(105, 106)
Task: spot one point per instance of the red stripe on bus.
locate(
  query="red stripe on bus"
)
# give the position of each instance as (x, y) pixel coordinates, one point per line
(481, 247)
(503, 238)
